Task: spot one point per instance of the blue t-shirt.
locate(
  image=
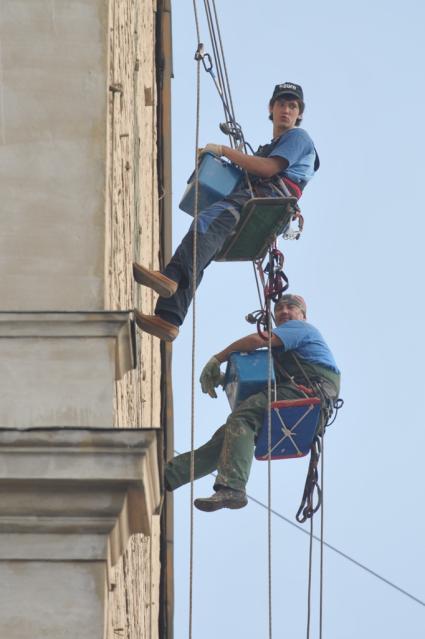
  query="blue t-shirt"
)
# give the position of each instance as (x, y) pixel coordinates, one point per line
(306, 341)
(296, 146)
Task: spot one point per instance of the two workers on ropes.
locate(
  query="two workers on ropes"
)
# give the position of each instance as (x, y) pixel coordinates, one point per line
(290, 157)
(231, 449)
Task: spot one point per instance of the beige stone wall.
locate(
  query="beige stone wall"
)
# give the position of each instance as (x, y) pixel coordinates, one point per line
(134, 589)
(132, 227)
(132, 234)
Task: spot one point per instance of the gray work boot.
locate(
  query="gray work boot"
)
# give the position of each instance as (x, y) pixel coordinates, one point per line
(223, 498)
(155, 325)
(161, 284)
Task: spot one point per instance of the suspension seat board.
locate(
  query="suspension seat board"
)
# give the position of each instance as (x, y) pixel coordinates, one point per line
(262, 220)
(294, 423)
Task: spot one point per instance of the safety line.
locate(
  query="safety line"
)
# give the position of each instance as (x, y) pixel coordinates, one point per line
(224, 62)
(269, 462)
(194, 278)
(340, 552)
(322, 523)
(217, 59)
(220, 60)
(258, 286)
(334, 549)
(310, 572)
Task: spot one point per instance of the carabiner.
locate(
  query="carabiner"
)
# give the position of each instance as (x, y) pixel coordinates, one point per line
(204, 57)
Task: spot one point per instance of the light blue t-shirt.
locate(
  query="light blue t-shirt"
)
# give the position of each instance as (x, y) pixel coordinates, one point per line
(296, 146)
(306, 341)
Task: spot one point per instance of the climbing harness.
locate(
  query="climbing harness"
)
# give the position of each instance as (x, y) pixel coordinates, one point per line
(274, 283)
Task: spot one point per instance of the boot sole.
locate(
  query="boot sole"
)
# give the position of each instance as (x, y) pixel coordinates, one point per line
(151, 327)
(146, 278)
(210, 506)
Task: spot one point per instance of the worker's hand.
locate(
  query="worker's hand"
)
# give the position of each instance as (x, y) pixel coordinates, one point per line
(211, 377)
(216, 149)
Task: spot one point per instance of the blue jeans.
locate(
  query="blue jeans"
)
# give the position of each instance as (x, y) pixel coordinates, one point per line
(214, 226)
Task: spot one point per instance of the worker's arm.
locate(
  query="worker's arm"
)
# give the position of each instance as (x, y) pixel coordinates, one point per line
(211, 376)
(246, 345)
(263, 167)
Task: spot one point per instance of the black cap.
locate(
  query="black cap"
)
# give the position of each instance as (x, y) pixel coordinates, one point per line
(287, 88)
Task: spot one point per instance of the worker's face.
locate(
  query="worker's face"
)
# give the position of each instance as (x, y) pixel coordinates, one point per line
(285, 111)
(285, 312)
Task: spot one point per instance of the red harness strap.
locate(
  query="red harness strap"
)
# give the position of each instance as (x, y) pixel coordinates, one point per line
(293, 187)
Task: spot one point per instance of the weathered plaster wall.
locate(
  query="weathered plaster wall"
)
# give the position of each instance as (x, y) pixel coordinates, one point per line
(41, 582)
(53, 76)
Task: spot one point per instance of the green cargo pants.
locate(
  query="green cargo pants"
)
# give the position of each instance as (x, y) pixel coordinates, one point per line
(231, 449)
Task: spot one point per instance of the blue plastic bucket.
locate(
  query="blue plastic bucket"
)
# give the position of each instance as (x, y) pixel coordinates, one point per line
(217, 178)
(246, 374)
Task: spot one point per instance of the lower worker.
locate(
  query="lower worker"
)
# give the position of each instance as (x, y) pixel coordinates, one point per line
(299, 352)
(291, 157)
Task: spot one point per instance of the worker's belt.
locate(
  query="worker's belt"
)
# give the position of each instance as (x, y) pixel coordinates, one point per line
(273, 183)
(293, 187)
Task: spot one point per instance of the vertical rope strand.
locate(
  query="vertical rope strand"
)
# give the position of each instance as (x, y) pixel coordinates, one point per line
(322, 522)
(194, 268)
(226, 75)
(310, 570)
(219, 58)
(269, 464)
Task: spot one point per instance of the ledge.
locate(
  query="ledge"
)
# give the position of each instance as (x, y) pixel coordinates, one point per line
(74, 324)
(85, 485)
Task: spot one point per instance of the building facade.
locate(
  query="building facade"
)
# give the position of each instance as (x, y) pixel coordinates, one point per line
(85, 400)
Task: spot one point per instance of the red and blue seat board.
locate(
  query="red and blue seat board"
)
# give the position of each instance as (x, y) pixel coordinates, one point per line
(294, 424)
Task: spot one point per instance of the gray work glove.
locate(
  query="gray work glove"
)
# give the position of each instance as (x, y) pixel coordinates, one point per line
(217, 149)
(211, 377)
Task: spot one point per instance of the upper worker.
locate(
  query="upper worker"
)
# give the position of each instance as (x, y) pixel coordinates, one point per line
(291, 157)
(231, 449)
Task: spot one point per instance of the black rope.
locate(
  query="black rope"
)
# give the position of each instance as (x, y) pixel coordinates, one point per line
(312, 495)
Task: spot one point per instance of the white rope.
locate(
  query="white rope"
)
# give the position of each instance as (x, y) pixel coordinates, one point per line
(269, 464)
(310, 565)
(322, 519)
(194, 270)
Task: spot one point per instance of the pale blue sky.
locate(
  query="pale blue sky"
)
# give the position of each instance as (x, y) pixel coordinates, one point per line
(359, 266)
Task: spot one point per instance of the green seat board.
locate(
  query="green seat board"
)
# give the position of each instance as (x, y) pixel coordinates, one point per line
(262, 220)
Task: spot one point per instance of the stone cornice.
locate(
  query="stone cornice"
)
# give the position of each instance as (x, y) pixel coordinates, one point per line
(76, 324)
(82, 483)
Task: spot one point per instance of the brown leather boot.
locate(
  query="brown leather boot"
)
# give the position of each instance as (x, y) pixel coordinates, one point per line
(161, 284)
(223, 498)
(156, 326)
